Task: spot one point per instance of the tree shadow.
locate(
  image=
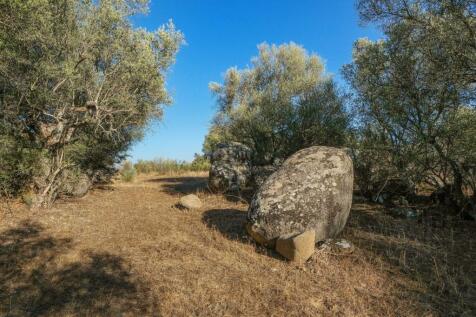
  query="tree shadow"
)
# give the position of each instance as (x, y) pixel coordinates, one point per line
(182, 185)
(36, 279)
(442, 258)
(229, 222)
(108, 187)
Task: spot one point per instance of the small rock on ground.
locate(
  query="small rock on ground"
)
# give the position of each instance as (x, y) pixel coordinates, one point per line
(406, 212)
(337, 246)
(190, 202)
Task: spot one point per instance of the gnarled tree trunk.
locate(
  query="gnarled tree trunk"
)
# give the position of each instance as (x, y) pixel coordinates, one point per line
(49, 180)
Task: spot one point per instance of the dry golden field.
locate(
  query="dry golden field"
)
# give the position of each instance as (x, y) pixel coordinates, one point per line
(126, 250)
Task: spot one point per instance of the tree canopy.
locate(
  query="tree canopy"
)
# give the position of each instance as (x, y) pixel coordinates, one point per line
(77, 79)
(284, 102)
(415, 92)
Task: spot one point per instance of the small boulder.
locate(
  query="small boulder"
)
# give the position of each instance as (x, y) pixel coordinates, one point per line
(190, 202)
(311, 191)
(406, 212)
(230, 169)
(337, 246)
(298, 248)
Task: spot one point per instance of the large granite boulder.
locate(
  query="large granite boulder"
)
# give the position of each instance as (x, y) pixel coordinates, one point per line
(311, 191)
(259, 174)
(230, 167)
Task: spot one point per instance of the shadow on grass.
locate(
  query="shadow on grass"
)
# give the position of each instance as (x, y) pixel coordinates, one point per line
(182, 185)
(36, 280)
(231, 224)
(441, 258)
(104, 187)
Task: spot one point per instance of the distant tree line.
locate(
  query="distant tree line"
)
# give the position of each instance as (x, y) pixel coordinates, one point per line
(162, 166)
(169, 166)
(409, 115)
(78, 84)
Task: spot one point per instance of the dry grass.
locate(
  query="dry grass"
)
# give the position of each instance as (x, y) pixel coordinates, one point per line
(126, 250)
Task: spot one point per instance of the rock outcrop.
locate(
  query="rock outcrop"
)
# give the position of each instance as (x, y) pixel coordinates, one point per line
(312, 190)
(230, 167)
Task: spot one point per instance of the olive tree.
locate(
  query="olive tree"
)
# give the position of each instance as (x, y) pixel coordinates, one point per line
(415, 90)
(285, 101)
(77, 69)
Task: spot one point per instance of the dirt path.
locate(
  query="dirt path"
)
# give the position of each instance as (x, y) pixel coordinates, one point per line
(126, 250)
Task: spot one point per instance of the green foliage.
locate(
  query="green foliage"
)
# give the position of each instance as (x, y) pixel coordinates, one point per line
(415, 93)
(200, 163)
(16, 165)
(28, 199)
(285, 102)
(78, 82)
(128, 172)
(171, 167)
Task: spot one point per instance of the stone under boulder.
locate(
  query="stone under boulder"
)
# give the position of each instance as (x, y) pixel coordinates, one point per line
(298, 248)
(230, 169)
(311, 191)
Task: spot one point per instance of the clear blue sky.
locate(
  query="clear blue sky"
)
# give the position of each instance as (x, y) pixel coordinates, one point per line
(225, 33)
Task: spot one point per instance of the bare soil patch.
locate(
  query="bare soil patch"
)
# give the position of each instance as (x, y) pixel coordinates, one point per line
(125, 250)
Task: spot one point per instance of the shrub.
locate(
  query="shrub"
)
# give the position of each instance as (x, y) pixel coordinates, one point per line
(28, 199)
(128, 172)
